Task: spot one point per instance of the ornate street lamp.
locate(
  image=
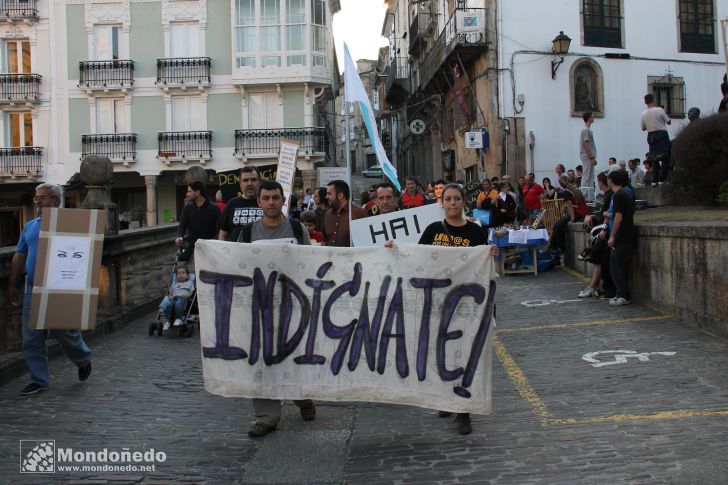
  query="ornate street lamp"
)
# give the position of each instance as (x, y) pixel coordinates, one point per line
(561, 47)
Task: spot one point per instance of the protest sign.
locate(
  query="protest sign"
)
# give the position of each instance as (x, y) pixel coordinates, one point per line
(327, 174)
(66, 282)
(401, 226)
(229, 182)
(408, 325)
(472, 190)
(287, 170)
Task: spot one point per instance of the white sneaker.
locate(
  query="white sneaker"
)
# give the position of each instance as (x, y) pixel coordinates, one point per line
(586, 292)
(178, 323)
(167, 326)
(619, 301)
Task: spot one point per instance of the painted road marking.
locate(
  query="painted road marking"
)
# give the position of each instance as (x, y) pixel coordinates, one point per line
(533, 303)
(576, 274)
(593, 323)
(620, 357)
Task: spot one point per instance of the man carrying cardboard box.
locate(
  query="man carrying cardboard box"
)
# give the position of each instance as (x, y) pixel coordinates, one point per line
(34, 341)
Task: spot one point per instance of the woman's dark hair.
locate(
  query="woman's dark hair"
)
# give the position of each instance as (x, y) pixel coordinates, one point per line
(322, 196)
(546, 179)
(457, 187)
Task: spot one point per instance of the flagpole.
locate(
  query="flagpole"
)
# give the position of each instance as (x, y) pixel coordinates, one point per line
(348, 155)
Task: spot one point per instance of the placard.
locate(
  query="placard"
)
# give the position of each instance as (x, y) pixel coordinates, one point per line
(401, 226)
(66, 281)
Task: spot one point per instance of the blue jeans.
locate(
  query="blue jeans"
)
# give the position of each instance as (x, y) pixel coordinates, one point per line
(175, 308)
(35, 349)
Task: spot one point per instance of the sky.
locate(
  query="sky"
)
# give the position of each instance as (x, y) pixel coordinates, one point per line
(359, 24)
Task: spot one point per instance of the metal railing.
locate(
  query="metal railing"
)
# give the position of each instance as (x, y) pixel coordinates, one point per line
(417, 29)
(189, 145)
(20, 87)
(265, 142)
(116, 146)
(184, 71)
(106, 74)
(19, 9)
(21, 160)
(464, 29)
(398, 69)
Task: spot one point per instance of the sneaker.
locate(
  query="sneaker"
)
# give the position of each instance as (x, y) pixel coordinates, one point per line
(32, 388)
(606, 295)
(308, 412)
(583, 255)
(258, 430)
(619, 301)
(178, 323)
(463, 422)
(167, 326)
(84, 371)
(444, 414)
(586, 292)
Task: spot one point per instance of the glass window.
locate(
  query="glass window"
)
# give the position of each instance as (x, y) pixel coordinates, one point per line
(106, 42)
(246, 62)
(245, 31)
(270, 12)
(318, 12)
(697, 30)
(319, 39)
(271, 61)
(299, 60)
(295, 12)
(270, 39)
(21, 129)
(295, 27)
(186, 113)
(602, 23)
(185, 40)
(669, 92)
(110, 116)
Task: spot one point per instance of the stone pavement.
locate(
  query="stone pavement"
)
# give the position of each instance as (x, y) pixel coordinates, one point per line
(556, 417)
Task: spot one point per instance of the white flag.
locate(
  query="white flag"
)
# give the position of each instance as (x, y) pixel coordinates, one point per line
(354, 92)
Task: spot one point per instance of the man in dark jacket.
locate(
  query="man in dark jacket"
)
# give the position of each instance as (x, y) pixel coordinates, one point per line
(199, 219)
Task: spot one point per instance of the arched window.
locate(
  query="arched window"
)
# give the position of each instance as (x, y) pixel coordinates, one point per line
(587, 88)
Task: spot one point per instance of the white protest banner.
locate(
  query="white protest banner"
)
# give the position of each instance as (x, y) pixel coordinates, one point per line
(287, 169)
(402, 226)
(408, 325)
(327, 174)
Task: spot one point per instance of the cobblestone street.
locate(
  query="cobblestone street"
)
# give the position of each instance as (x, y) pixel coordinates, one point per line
(654, 410)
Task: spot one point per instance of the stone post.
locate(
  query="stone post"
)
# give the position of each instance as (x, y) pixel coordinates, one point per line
(151, 182)
(96, 172)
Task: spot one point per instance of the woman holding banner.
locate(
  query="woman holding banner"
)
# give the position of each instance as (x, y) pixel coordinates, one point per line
(454, 231)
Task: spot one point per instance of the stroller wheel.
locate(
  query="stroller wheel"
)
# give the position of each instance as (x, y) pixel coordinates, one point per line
(160, 328)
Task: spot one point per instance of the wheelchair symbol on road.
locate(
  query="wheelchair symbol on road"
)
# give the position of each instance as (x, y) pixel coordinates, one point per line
(532, 303)
(620, 357)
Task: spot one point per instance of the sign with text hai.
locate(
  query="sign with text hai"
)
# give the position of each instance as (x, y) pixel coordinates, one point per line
(408, 325)
(401, 226)
(68, 265)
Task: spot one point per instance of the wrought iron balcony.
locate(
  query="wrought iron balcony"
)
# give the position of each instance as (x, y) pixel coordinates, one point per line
(185, 145)
(417, 30)
(119, 147)
(183, 72)
(261, 143)
(115, 74)
(21, 161)
(12, 10)
(399, 70)
(462, 40)
(20, 88)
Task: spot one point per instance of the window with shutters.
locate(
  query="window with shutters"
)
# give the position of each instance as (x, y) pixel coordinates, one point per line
(602, 23)
(697, 26)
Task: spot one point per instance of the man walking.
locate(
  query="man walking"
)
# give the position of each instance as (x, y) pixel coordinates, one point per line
(588, 156)
(623, 235)
(244, 209)
(411, 197)
(386, 200)
(274, 225)
(199, 217)
(336, 220)
(34, 341)
(654, 121)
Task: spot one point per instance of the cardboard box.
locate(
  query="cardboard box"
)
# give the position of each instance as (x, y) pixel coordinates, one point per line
(66, 281)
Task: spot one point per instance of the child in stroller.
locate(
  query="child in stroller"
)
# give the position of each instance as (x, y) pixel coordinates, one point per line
(175, 303)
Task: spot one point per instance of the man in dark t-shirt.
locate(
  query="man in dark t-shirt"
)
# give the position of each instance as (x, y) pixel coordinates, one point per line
(623, 235)
(241, 210)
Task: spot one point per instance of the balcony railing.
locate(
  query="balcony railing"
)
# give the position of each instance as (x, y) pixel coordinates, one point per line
(21, 161)
(118, 74)
(399, 69)
(417, 30)
(185, 145)
(19, 10)
(464, 32)
(23, 88)
(116, 146)
(187, 71)
(251, 143)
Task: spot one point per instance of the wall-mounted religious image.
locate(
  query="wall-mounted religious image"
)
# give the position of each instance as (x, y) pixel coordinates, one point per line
(587, 89)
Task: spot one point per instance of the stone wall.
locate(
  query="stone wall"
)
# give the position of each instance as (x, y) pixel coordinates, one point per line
(135, 272)
(679, 269)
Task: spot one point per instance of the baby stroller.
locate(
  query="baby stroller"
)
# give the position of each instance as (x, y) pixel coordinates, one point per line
(189, 316)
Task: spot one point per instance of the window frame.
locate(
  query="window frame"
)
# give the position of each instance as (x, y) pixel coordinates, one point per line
(602, 35)
(669, 82)
(695, 42)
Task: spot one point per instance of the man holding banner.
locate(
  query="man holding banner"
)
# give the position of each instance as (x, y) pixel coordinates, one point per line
(34, 341)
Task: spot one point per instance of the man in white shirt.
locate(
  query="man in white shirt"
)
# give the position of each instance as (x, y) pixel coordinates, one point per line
(654, 121)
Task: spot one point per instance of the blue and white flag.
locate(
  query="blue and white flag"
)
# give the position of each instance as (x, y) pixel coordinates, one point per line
(354, 92)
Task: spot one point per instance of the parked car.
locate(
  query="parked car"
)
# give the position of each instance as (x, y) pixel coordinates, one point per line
(373, 171)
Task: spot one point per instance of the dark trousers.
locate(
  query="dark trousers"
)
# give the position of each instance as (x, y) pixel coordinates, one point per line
(620, 260)
(660, 146)
(607, 282)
